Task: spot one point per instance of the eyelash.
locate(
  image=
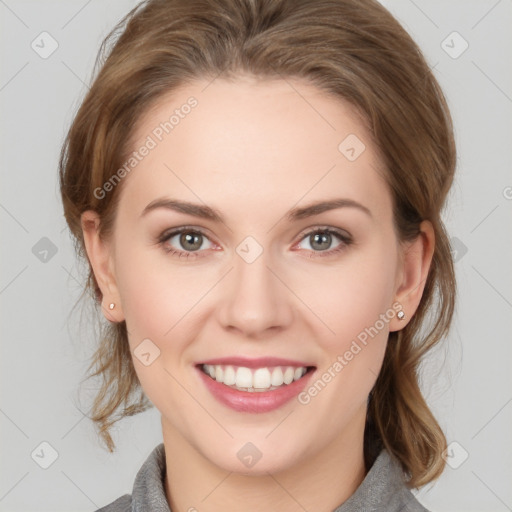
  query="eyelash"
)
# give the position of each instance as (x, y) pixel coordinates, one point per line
(166, 236)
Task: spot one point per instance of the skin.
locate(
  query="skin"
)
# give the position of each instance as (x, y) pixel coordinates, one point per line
(253, 150)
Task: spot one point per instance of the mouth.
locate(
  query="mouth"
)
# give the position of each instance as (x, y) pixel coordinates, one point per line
(255, 380)
(257, 385)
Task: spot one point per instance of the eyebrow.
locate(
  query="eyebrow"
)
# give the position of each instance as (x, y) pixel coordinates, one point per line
(205, 212)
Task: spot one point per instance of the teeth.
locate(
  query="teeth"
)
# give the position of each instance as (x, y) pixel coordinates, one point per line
(243, 378)
(259, 379)
(229, 376)
(288, 375)
(277, 377)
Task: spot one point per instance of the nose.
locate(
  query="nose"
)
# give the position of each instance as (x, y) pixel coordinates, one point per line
(254, 299)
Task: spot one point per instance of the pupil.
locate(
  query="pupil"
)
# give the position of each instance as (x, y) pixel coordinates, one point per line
(320, 241)
(194, 241)
(319, 238)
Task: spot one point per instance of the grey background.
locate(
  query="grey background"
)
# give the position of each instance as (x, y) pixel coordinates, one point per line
(45, 348)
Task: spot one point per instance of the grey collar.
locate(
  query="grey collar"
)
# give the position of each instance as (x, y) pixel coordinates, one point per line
(383, 488)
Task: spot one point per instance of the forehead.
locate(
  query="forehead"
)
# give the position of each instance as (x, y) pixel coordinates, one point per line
(252, 142)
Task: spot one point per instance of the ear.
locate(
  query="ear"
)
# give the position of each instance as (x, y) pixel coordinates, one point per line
(412, 276)
(100, 256)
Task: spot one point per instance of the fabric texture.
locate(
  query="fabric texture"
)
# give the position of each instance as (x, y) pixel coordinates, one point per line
(382, 490)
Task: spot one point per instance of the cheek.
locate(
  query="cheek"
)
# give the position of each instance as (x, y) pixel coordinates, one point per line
(355, 297)
(158, 304)
(357, 307)
(159, 299)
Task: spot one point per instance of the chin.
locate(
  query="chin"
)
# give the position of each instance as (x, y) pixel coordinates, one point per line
(256, 458)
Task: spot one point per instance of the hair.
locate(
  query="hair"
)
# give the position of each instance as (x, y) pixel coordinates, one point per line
(353, 49)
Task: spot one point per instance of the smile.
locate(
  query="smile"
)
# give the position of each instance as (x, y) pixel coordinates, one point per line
(254, 380)
(254, 385)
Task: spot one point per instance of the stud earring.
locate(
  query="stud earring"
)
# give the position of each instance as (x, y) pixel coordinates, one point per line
(111, 305)
(400, 315)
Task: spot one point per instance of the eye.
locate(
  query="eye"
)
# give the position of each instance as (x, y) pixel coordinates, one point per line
(320, 241)
(185, 242)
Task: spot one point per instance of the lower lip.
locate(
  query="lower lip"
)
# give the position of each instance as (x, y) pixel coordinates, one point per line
(256, 401)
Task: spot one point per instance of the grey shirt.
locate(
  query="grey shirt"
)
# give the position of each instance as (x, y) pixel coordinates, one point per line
(382, 490)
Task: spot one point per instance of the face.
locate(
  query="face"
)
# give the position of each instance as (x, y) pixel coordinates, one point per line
(228, 277)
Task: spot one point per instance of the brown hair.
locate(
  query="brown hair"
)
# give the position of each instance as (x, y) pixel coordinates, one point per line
(353, 49)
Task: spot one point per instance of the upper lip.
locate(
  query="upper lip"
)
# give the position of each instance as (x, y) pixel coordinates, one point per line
(259, 362)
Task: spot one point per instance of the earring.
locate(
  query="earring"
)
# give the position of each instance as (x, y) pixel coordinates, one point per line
(400, 315)
(111, 305)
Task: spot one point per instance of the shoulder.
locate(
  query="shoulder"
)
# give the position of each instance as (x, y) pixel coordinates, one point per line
(122, 504)
(383, 490)
(148, 492)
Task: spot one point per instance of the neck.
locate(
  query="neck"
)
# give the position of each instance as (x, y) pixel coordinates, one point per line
(321, 482)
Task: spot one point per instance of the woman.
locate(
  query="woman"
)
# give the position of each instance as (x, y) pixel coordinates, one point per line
(257, 186)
